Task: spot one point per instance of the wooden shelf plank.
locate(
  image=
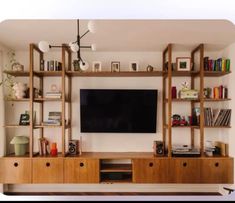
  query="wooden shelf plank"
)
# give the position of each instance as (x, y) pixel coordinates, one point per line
(182, 100)
(216, 73)
(16, 126)
(116, 168)
(115, 74)
(216, 100)
(182, 73)
(48, 73)
(17, 73)
(47, 99)
(182, 126)
(128, 180)
(59, 155)
(18, 100)
(50, 126)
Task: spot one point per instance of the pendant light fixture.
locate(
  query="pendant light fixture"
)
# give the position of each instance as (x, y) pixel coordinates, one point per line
(75, 46)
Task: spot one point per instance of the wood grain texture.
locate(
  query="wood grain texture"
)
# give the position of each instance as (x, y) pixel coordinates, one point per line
(185, 170)
(150, 170)
(47, 170)
(15, 171)
(81, 170)
(217, 170)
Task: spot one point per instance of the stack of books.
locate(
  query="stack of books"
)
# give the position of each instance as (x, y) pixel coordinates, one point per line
(54, 95)
(220, 92)
(54, 118)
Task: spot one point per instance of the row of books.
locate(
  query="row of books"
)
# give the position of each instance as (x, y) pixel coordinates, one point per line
(54, 94)
(51, 65)
(220, 64)
(217, 117)
(220, 92)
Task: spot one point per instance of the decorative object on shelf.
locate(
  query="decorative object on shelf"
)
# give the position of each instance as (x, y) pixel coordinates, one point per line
(158, 148)
(17, 67)
(54, 150)
(76, 65)
(134, 66)
(186, 93)
(115, 66)
(183, 64)
(74, 46)
(19, 89)
(43, 146)
(73, 147)
(96, 66)
(177, 120)
(54, 118)
(24, 119)
(149, 68)
(20, 145)
(173, 92)
(173, 66)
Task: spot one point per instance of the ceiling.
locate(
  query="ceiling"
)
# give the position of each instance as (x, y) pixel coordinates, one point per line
(120, 35)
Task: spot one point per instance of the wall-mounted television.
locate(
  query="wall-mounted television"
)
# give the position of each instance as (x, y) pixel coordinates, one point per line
(118, 110)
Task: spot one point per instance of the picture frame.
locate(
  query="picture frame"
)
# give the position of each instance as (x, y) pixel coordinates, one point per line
(134, 66)
(24, 119)
(115, 66)
(183, 64)
(96, 66)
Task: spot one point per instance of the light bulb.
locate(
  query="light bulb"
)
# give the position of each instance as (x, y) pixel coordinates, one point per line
(91, 26)
(93, 47)
(84, 65)
(44, 46)
(74, 47)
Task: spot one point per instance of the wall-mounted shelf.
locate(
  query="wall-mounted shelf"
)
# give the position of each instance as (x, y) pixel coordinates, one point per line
(16, 126)
(182, 73)
(18, 100)
(216, 73)
(17, 73)
(115, 74)
(48, 73)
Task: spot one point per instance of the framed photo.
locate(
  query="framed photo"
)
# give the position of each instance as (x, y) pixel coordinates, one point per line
(24, 119)
(115, 66)
(96, 66)
(134, 66)
(183, 63)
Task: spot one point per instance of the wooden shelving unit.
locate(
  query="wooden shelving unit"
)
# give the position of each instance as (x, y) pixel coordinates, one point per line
(116, 168)
(168, 100)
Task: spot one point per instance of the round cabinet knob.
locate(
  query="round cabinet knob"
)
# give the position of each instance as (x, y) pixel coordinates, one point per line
(81, 164)
(16, 164)
(151, 164)
(48, 164)
(216, 164)
(184, 164)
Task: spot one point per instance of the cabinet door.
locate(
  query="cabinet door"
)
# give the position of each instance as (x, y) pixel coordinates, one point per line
(217, 170)
(15, 170)
(78, 170)
(47, 170)
(150, 170)
(184, 170)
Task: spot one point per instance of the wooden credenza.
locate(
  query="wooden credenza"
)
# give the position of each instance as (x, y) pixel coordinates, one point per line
(102, 168)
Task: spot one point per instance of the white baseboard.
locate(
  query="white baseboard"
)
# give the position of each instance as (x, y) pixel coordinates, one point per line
(114, 188)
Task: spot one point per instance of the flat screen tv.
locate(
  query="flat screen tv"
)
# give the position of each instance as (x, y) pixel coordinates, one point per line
(118, 110)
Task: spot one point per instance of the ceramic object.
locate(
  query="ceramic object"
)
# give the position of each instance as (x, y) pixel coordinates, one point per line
(20, 144)
(19, 89)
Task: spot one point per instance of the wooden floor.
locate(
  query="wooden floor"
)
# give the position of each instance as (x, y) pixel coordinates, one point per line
(114, 193)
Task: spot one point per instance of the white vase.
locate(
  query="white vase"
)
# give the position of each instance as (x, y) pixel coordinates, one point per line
(19, 89)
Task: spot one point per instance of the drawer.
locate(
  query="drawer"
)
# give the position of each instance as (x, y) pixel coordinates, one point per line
(47, 170)
(217, 170)
(150, 170)
(15, 170)
(78, 170)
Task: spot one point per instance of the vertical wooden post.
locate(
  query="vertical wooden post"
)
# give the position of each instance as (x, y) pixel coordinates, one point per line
(192, 103)
(164, 99)
(202, 99)
(169, 99)
(31, 85)
(42, 103)
(63, 100)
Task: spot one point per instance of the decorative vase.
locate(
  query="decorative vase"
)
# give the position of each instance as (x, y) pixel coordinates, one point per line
(19, 89)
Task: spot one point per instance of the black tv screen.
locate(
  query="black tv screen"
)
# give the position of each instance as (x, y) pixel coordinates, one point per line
(118, 111)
